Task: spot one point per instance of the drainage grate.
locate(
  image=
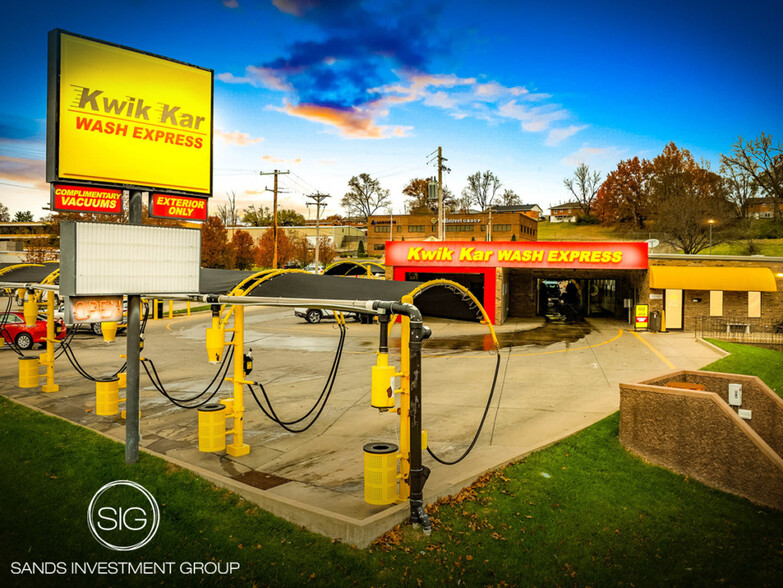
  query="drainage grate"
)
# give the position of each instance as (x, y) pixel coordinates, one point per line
(260, 480)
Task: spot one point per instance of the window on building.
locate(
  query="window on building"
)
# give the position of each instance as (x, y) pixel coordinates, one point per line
(501, 228)
(417, 228)
(716, 303)
(380, 246)
(482, 228)
(399, 228)
(754, 304)
(459, 228)
(382, 228)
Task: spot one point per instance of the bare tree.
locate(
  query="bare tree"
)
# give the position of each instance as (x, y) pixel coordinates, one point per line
(365, 196)
(762, 160)
(584, 186)
(5, 216)
(510, 198)
(740, 187)
(481, 190)
(228, 212)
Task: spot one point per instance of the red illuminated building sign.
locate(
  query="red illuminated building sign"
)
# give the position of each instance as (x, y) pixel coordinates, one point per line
(66, 198)
(452, 255)
(178, 207)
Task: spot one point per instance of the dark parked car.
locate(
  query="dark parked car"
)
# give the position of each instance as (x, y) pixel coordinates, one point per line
(15, 331)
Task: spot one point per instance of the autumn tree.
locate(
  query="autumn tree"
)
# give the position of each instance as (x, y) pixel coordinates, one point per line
(265, 249)
(761, 160)
(301, 252)
(584, 187)
(243, 250)
(686, 196)
(418, 202)
(214, 244)
(257, 217)
(481, 190)
(365, 196)
(326, 250)
(624, 196)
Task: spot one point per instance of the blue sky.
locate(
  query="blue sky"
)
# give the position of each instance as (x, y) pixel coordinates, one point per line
(331, 89)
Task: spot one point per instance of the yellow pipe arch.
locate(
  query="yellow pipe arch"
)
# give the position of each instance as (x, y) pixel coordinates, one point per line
(455, 286)
(250, 282)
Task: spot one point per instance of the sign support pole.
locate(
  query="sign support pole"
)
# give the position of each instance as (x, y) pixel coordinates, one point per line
(133, 353)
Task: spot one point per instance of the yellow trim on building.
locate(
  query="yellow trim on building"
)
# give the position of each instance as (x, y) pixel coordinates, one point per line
(738, 279)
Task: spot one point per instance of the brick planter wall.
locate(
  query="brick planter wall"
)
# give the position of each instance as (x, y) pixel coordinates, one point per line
(699, 435)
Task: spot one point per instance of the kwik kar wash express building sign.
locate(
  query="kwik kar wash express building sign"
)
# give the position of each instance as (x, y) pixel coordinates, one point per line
(119, 119)
(517, 254)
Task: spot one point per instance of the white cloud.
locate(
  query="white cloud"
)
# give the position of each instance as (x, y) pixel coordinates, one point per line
(593, 156)
(556, 136)
(535, 119)
(237, 138)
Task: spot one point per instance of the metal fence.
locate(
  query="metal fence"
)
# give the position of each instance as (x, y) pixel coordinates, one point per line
(740, 329)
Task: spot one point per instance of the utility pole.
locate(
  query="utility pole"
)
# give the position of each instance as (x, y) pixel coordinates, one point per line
(274, 213)
(317, 200)
(441, 213)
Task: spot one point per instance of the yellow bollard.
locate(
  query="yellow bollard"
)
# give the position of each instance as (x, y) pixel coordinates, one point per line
(28, 372)
(30, 312)
(212, 428)
(122, 380)
(171, 309)
(109, 330)
(188, 307)
(238, 447)
(107, 397)
(380, 473)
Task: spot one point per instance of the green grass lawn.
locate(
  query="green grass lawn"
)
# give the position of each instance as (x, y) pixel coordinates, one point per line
(754, 361)
(583, 512)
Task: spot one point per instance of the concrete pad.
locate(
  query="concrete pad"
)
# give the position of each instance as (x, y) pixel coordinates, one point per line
(546, 389)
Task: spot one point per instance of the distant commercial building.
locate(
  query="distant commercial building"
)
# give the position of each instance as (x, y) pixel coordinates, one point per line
(482, 226)
(344, 238)
(14, 237)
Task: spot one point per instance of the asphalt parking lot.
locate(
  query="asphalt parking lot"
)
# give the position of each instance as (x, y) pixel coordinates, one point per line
(553, 381)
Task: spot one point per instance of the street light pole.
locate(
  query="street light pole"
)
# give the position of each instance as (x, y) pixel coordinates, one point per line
(711, 222)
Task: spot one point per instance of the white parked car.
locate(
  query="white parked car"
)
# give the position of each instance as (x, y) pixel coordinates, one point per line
(316, 315)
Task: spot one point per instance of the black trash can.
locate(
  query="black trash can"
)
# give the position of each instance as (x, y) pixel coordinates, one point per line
(655, 321)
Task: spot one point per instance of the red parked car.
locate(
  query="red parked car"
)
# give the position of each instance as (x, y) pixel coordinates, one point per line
(14, 330)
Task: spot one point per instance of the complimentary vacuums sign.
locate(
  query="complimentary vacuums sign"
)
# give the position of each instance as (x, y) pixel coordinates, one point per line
(67, 198)
(121, 117)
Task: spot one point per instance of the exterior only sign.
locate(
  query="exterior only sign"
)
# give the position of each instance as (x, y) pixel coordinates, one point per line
(178, 207)
(519, 254)
(123, 118)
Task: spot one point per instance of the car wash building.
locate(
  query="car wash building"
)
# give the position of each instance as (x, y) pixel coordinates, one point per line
(598, 279)
(522, 278)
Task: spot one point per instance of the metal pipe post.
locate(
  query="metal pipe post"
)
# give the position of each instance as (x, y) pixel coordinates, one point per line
(133, 353)
(419, 473)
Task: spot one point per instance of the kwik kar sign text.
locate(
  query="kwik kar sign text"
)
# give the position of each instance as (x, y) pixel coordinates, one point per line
(121, 117)
(532, 254)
